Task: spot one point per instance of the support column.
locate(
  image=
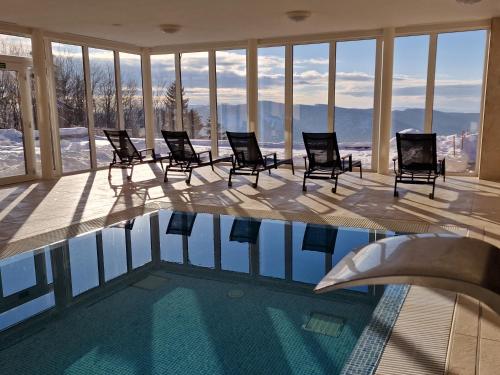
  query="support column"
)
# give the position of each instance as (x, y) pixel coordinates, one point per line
(41, 68)
(147, 94)
(490, 139)
(252, 87)
(178, 93)
(212, 79)
(386, 101)
(288, 100)
(332, 70)
(431, 78)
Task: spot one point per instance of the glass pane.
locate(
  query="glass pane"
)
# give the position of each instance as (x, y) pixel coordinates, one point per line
(457, 97)
(196, 98)
(132, 101)
(272, 249)
(17, 273)
(234, 252)
(171, 248)
(231, 95)
(114, 252)
(12, 157)
(140, 238)
(71, 107)
(201, 242)
(15, 45)
(307, 266)
(103, 85)
(310, 92)
(164, 97)
(271, 68)
(354, 91)
(409, 83)
(83, 263)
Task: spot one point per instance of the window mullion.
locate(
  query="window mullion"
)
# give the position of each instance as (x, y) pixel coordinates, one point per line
(89, 108)
(118, 83)
(431, 78)
(332, 71)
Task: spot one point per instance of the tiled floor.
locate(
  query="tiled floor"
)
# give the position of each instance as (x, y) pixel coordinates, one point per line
(33, 208)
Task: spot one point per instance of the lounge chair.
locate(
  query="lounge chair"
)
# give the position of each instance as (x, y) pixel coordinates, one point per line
(417, 161)
(460, 264)
(245, 230)
(181, 223)
(183, 157)
(319, 237)
(323, 160)
(248, 159)
(126, 155)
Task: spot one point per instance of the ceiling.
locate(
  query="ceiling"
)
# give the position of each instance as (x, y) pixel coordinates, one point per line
(226, 20)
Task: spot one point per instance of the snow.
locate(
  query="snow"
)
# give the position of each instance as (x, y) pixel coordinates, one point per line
(75, 150)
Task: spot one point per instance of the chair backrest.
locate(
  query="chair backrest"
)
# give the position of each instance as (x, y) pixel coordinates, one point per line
(322, 150)
(180, 146)
(123, 146)
(245, 148)
(416, 152)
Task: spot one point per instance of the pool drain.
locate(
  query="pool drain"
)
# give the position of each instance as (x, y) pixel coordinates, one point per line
(324, 324)
(235, 293)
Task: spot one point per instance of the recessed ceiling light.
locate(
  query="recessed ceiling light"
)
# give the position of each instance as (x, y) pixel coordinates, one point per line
(116, 24)
(298, 15)
(469, 2)
(170, 28)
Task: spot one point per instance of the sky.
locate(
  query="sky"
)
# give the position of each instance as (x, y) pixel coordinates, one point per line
(459, 71)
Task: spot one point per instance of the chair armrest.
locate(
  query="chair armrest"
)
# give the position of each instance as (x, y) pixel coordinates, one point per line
(204, 152)
(346, 156)
(349, 165)
(146, 149)
(273, 155)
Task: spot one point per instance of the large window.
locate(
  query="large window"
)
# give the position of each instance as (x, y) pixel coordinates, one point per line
(354, 95)
(196, 98)
(103, 85)
(409, 86)
(71, 107)
(271, 75)
(457, 97)
(15, 45)
(132, 101)
(231, 94)
(164, 97)
(310, 92)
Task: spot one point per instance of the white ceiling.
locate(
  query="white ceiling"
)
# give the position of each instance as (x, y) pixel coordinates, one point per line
(226, 20)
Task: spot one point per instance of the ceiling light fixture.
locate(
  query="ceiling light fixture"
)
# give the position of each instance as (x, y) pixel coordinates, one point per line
(298, 15)
(170, 28)
(468, 2)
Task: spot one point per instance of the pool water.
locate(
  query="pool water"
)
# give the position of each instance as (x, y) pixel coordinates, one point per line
(187, 293)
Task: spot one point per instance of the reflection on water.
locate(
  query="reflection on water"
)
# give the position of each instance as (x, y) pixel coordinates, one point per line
(54, 277)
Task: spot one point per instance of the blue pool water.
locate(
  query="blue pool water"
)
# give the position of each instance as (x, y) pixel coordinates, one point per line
(191, 293)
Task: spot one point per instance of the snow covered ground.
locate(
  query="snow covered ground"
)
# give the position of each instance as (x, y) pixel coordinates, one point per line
(75, 150)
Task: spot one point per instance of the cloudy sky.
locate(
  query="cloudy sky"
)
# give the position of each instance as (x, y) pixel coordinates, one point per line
(459, 70)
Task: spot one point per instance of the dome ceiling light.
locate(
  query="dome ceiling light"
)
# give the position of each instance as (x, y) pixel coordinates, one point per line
(468, 2)
(298, 15)
(170, 28)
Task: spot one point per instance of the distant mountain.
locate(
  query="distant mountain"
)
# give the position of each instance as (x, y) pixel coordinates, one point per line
(351, 125)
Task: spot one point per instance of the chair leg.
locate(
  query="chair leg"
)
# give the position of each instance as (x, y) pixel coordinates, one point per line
(269, 170)
(188, 181)
(165, 178)
(109, 171)
(212, 165)
(293, 169)
(396, 194)
(131, 173)
(257, 179)
(304, 188)
(334, 189)
(431, 195)
(229, 183)
(161, 164)
(360, 171)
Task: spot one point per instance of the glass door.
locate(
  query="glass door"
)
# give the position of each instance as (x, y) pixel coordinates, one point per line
(16, 119)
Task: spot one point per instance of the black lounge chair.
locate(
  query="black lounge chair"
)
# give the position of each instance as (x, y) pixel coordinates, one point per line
(245, 230)
(318, 237)
(181, 223)
(417, 161)
(183, 157)
(125, 154)
(248, 159)
(325, 162)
